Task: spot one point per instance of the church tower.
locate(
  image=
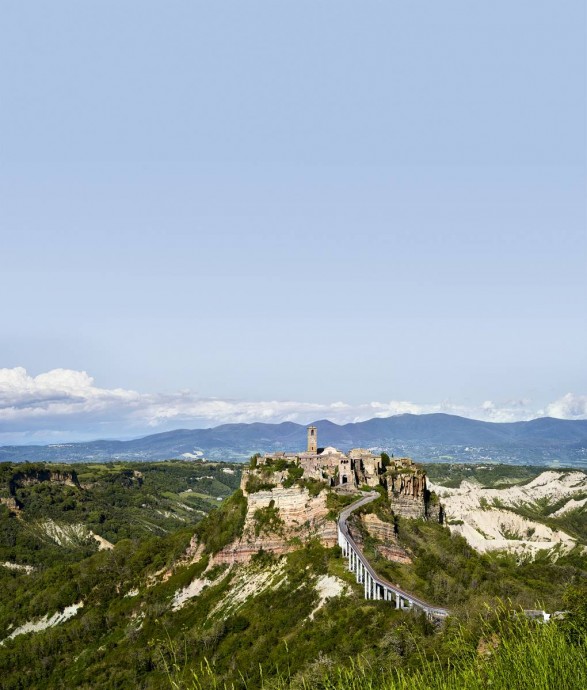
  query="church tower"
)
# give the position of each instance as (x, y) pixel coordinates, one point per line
(312, 439)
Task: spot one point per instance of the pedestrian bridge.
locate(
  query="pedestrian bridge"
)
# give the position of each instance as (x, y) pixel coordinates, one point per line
(375, 586)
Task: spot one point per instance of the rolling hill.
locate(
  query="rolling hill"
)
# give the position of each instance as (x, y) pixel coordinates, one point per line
(433, 437)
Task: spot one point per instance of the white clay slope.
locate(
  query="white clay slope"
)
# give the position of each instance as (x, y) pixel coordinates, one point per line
(488, 525)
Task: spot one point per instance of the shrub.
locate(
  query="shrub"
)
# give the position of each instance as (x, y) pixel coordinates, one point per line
(294, 473)
(313, 486)
(267, 519)
(223, 525)
(256, 483)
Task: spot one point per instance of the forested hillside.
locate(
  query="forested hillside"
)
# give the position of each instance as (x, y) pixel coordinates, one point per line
(55, 513)
(161, 610)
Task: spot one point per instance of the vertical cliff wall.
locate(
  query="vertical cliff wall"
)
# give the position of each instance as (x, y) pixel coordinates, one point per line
(408, 493)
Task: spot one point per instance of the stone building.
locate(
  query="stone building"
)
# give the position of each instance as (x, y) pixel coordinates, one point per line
(312, 439)
(354, 469)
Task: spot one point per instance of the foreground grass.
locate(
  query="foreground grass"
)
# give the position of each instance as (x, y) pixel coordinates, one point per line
(512, 652)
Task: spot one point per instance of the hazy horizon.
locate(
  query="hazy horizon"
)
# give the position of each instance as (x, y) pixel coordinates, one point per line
(68, 406)
(132, 437)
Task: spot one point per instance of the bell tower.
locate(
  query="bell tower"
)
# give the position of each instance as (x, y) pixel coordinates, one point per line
(312, 439)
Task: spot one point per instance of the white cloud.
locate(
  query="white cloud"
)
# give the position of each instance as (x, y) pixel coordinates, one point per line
(45, 392)
(57, 390)
(570, 406)
(64, 404)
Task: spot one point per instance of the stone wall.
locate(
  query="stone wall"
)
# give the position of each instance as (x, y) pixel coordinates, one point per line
(411, 484)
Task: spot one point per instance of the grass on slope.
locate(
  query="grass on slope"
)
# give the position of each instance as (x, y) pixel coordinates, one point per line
(123, 641)
(509, 651)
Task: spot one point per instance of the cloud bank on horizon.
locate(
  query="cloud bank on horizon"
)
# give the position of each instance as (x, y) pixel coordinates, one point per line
(66, 405)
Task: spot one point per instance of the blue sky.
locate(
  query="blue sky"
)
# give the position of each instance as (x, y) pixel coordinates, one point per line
(268, 210)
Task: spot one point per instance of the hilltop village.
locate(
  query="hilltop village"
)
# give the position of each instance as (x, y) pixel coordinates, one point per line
(402, 479)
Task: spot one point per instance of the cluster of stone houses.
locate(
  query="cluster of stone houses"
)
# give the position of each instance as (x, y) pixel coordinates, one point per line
(354, 469)
(403, 480)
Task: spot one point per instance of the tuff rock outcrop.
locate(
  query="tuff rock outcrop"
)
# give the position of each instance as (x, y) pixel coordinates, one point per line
(36, 476)
(408, 492)
(385, 536)
(301, 516)
(406, 488)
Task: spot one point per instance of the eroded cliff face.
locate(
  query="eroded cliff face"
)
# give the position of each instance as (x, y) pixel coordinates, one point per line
(384, 534)
(489, 520)
(301, 517)
(406, 490)
(409, 495)
(30, 476)
(36, 476)
(296, 518)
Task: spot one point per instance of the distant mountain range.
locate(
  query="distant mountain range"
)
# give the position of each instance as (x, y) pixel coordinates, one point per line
(429, 437)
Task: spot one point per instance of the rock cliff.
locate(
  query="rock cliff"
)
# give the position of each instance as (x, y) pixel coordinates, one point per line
(301, 516)
(285, 509)
(384, 535)
(406, 487)
(408, 492)
(36, 476)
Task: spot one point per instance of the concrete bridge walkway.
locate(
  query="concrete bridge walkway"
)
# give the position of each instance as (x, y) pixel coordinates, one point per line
(375, 586)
